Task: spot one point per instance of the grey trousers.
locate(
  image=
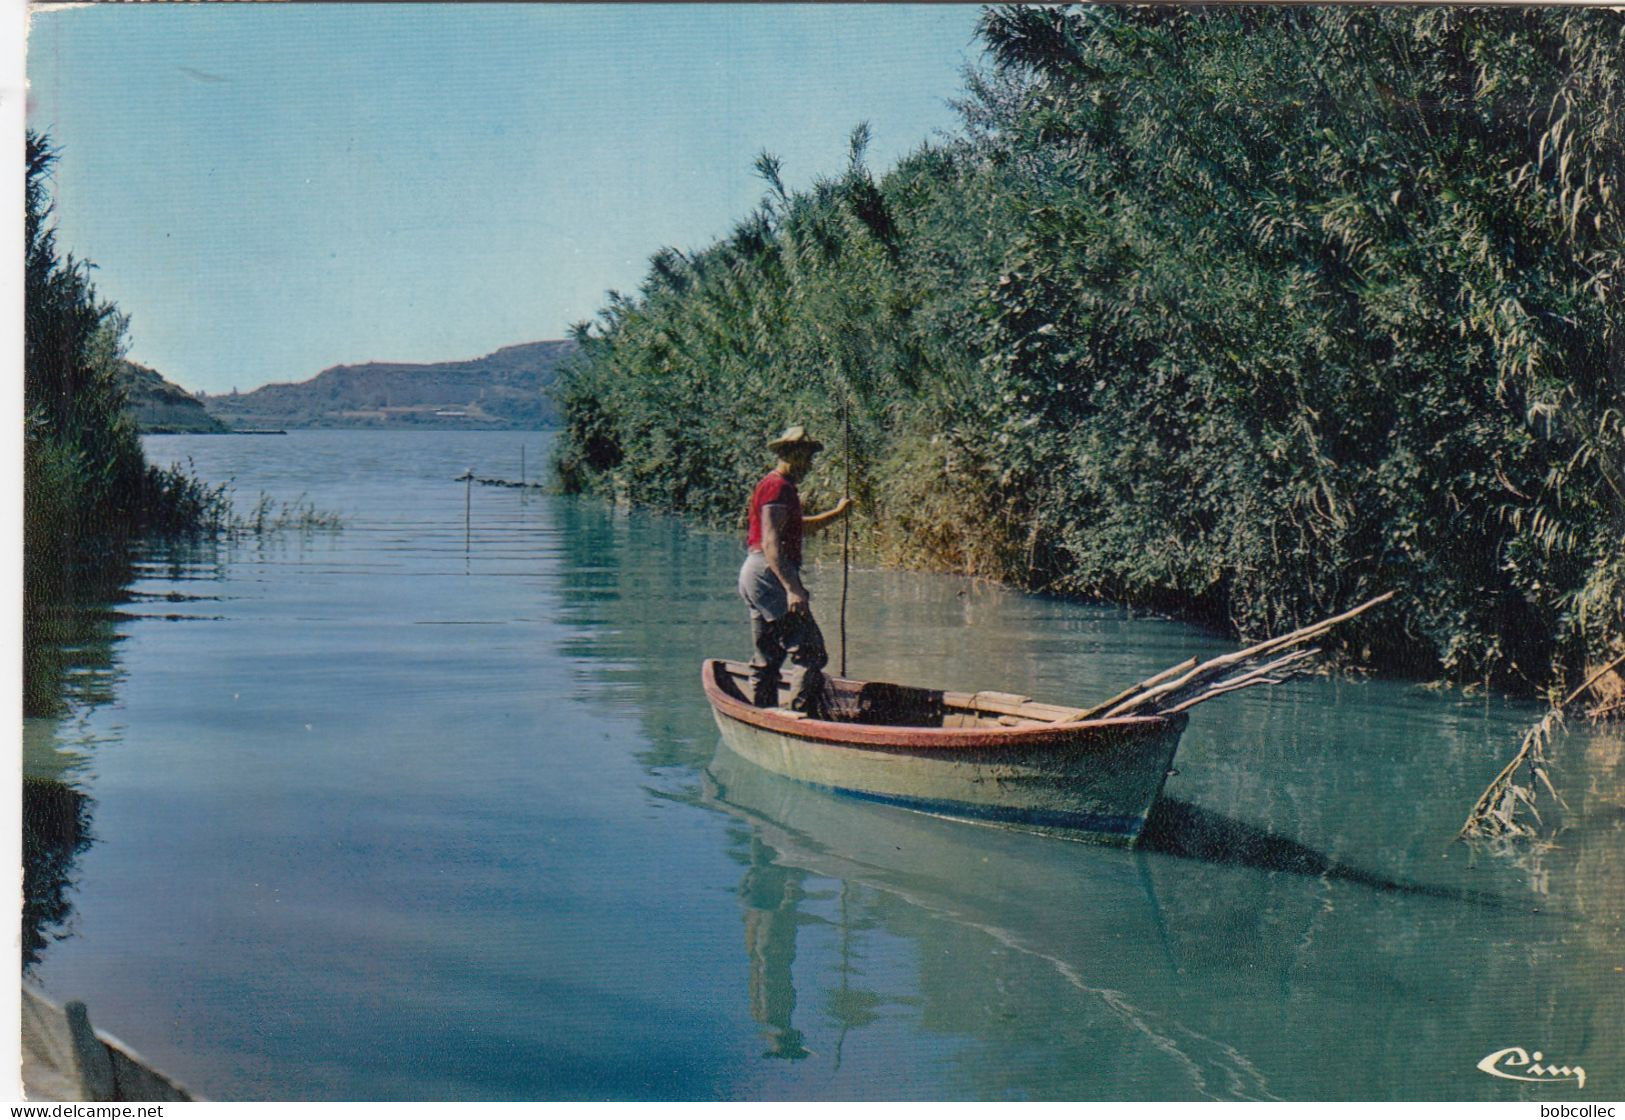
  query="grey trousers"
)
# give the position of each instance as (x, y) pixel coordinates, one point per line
(797, 637)
(777, 633)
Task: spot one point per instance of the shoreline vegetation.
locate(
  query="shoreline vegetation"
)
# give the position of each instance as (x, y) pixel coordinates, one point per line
(88, 492)
(1241, 314)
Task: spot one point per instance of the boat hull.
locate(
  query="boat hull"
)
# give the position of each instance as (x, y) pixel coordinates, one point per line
(1092, 780)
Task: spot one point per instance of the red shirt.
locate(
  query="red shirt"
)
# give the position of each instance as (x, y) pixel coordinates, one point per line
(775, 489)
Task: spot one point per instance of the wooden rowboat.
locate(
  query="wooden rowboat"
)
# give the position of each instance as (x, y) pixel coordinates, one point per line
(985, 756)
(990, 756)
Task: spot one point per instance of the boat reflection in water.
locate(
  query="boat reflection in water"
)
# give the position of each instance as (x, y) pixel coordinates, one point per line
(1217, 961)
(988, 881)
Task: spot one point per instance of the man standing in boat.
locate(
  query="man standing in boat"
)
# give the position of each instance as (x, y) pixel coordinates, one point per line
(781, 620)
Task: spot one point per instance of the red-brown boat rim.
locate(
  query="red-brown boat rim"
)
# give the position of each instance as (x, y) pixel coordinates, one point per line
(912, 738)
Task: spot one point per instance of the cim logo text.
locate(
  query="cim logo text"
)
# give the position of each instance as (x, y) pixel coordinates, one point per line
(1517, 1064)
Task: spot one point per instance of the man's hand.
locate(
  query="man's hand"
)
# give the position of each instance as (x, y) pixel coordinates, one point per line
(821, 521)
(800, 601)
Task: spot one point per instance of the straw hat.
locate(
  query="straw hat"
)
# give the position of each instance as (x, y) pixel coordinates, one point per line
(794, 436)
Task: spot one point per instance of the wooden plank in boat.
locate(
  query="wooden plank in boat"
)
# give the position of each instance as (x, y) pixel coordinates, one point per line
(1000, 703)
(988, 695)
(1010, 704)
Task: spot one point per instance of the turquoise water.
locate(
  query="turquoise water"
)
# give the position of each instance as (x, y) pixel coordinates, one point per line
(431, 807)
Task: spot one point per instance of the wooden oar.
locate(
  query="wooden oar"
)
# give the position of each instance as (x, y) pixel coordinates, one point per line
(1183, 686)
(1089, 713)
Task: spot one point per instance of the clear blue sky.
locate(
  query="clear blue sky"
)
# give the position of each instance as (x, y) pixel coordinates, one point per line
(270, 190)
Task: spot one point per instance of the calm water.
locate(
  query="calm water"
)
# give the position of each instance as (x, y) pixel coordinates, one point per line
(414, 810)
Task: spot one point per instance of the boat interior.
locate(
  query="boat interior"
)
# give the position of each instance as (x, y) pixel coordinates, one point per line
(878, 703)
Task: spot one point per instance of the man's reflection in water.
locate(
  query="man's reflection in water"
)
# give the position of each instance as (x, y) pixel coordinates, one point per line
(770, 894)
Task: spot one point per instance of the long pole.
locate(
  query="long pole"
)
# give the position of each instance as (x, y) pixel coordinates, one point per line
(846, 522)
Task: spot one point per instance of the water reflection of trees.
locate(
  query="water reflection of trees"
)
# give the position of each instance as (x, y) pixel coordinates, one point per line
(70, 636)
(56, 829)
(71, 666)
(68, 641)
(649, 599)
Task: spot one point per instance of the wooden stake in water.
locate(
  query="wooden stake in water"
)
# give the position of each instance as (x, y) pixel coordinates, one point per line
(521, 464)
(468, 512)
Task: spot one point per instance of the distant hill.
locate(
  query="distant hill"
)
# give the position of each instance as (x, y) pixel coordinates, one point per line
(162, 406)
(506, 389)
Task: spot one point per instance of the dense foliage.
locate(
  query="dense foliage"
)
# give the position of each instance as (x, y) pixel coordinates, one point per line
(1247, 313)
(86, 485)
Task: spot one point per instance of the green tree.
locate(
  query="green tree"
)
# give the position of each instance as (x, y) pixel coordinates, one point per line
(1246, 313)
(86, 485)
